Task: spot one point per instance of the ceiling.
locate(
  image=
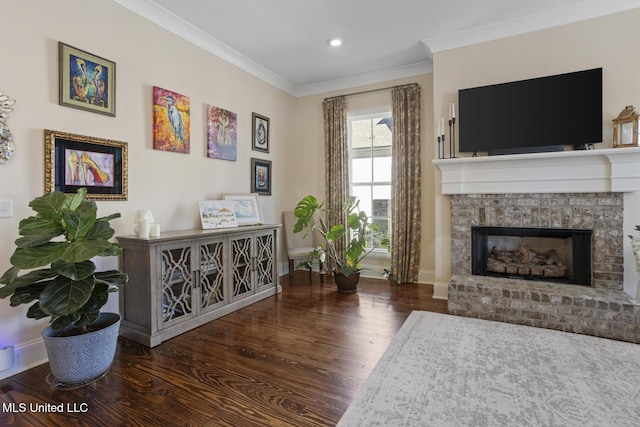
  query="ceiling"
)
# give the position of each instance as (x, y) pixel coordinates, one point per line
(285, 42)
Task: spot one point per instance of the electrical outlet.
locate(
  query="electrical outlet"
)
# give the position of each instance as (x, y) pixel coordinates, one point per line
(6, 208)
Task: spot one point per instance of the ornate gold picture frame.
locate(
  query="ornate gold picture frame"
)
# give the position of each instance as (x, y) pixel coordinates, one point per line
(74, 161)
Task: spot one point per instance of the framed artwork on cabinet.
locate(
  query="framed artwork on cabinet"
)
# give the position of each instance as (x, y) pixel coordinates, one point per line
(217, 214)
(74, 161)
(86, 81)
(247, 208)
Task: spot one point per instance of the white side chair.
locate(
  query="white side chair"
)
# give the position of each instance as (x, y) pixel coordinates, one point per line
(298, 246)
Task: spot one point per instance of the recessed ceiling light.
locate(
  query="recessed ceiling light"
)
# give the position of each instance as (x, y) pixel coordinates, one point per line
(335, 42)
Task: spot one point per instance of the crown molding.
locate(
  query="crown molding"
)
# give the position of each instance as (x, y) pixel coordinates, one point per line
(176, 25)
(373, 77)
(576, 12)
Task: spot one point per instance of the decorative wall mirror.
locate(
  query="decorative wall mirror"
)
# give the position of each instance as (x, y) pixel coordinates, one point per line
(7, 145)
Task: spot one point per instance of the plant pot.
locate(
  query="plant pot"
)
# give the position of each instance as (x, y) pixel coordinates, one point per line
(79, 360)
(347, 284)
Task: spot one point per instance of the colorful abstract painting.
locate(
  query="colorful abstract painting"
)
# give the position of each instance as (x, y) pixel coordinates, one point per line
(171, 121)
(222, 128)
(88, 168)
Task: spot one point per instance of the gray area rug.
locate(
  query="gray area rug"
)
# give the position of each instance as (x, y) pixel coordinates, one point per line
(443, 370)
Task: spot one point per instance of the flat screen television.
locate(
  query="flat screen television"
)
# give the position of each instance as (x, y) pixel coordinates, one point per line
(540, 114)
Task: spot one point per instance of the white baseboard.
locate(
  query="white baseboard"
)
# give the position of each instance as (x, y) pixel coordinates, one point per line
(27, 356)
(441, 290)
(426, 276)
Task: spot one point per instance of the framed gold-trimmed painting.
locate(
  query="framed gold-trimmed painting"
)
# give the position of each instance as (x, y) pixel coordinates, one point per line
(86, 81)
(74, 161)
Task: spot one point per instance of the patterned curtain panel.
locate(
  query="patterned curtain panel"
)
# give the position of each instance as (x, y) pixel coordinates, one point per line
(406, 191)
(336, 149)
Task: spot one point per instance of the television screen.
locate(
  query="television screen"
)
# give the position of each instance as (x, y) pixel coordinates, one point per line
(532, 115)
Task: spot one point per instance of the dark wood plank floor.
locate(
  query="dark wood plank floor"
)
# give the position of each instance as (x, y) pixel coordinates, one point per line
(297, 359)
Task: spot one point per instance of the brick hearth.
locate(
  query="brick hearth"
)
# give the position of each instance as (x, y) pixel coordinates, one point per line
(586, 310)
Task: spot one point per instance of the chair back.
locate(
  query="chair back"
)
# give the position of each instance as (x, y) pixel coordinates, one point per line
(296, 240)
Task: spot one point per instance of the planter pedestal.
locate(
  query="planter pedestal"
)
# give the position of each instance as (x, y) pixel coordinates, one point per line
(79, 360)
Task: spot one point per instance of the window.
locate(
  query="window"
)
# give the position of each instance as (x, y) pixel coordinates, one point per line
(370, 167)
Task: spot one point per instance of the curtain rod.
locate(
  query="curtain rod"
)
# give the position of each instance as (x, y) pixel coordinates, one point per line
(371, 90)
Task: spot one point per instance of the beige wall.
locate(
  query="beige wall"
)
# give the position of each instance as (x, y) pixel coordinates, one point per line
(169, 184)
(609, 42)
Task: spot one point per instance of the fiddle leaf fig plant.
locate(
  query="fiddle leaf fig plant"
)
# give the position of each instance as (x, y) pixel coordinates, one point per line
(56, 246)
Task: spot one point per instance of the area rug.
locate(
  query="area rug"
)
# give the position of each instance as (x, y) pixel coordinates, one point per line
(443, 370)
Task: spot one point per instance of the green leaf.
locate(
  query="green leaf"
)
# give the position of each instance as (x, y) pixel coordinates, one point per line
(110, 217)
(35, 312)
(49, 205)
(335, 233)
(113, 279)
(85, 319)
(10, 275)
(100, 230)
(38, 256)
(85, 250)
(98, 299)
(28, 279)
(63, 296)
(61, 322)
(354, 221)
(36, 225)
(74, 271)
(73, 202)
(78, 223)
(26, 294)
(304, 211)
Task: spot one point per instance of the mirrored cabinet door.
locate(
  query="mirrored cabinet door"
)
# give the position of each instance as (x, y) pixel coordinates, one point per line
(176, 285)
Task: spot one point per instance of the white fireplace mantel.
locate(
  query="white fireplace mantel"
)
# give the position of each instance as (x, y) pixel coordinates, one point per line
(605, 170)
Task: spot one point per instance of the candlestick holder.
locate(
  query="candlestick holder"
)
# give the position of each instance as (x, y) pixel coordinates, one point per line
(440, 148)
(452, 138)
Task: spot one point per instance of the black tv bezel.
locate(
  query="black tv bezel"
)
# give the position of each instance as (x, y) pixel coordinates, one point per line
(589, 78)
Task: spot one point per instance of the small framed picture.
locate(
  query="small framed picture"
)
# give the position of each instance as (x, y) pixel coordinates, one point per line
(75, 161)
(247, 208)
(260, 133)
(261, 176)
(86, 81)
(217, 214)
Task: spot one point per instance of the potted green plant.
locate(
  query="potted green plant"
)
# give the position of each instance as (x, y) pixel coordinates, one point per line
(363, 238)
(56, 247)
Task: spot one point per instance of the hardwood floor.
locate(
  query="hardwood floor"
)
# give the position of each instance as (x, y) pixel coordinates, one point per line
(297, 359)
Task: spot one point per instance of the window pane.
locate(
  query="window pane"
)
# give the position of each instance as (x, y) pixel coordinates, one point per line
(363, 193)
(361, 170)
(381, 132)
(382, 169)
(361, 133)
(382, 192)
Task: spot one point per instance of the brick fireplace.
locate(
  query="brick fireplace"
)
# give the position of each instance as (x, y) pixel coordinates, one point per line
(560, 191)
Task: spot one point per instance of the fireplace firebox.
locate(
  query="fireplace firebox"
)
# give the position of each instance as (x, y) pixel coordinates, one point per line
(547, 254)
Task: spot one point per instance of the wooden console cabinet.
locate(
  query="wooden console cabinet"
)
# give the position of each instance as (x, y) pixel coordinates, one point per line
(184, 279)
